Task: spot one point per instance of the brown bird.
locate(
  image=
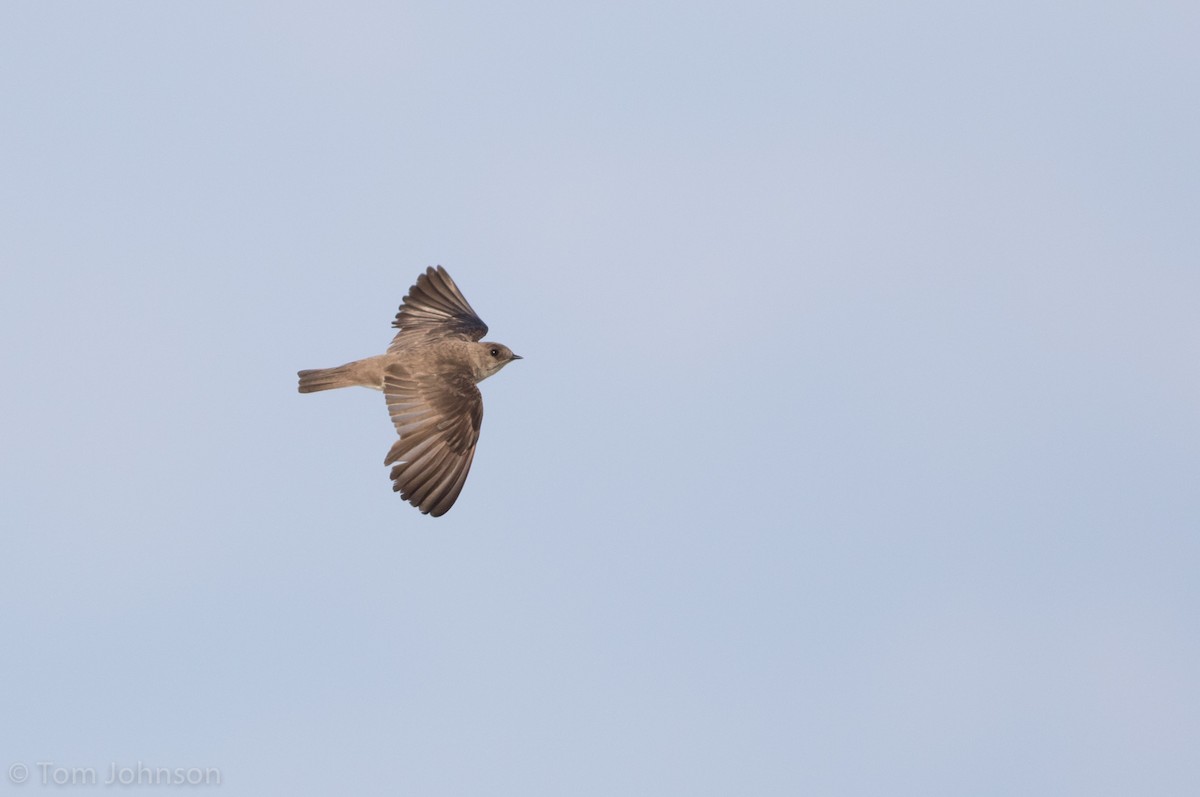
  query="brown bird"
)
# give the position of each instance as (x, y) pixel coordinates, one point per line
(428, 376)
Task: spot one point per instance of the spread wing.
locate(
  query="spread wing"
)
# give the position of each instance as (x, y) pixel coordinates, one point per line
(437, 417)
(435, 309)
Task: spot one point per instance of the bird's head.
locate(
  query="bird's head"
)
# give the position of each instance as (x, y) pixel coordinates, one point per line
(491, 357)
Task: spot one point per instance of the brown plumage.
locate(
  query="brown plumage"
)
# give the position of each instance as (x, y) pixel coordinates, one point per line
(428, 375)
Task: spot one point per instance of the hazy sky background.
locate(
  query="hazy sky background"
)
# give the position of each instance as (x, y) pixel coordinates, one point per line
(855, 450)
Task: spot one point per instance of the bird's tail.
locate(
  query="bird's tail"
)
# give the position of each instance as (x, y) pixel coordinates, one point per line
(326, 379)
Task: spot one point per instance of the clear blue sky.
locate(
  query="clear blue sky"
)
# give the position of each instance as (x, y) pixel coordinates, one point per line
(855, 450)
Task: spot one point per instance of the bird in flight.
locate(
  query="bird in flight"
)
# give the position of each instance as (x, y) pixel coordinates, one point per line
(428, 376)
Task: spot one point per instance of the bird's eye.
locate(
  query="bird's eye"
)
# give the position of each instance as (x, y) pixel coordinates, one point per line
(495, 352)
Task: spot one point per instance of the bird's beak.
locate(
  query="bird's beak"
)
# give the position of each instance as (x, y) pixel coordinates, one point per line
(517, 357)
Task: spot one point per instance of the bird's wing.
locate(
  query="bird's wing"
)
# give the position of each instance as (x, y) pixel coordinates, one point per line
(435, 309)
(437, 417)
